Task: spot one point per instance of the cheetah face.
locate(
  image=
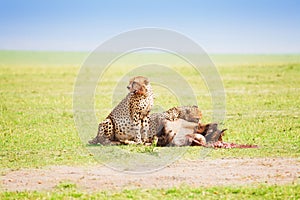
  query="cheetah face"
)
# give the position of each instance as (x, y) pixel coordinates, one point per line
(193, 115)
(137, 85)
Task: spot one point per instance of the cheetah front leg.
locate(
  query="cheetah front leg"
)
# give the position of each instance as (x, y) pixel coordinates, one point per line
(144, 128)
(136, 129)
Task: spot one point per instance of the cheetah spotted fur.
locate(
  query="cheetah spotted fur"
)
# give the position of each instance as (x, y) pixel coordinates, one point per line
(129, 120)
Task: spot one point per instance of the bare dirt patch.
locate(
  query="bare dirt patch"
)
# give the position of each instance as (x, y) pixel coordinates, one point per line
(204, 172)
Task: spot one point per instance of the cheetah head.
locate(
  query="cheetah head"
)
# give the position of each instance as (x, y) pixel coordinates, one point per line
(190, 113)
(138, 85)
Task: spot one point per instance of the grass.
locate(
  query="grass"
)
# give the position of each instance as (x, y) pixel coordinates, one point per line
(37, 126)
(69, 191)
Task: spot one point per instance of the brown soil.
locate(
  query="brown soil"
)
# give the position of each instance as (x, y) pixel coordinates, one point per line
(204, 172)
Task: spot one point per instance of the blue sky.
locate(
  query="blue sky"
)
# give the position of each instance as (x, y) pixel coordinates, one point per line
(219, 26)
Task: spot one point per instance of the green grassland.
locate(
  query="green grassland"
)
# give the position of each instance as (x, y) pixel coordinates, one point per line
(37, 126)
(184, 192)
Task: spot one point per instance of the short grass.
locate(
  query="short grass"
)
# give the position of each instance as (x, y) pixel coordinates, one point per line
(36, 118)
(70, 191)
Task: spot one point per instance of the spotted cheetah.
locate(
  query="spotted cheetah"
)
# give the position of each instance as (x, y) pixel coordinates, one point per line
(129, 120)
(157, 121)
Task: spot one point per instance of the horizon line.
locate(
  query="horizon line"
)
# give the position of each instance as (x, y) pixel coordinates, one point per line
(209, 53)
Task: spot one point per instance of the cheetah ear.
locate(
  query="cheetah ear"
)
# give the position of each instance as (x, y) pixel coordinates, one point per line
(146, 81)
(131, 80)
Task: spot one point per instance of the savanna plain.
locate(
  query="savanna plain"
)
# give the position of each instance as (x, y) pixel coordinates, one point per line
(38, 133)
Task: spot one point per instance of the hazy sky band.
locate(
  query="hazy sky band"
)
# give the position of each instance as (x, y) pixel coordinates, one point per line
(219, 26)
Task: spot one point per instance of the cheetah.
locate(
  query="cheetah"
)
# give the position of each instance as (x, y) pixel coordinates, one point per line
(129, 120)
(158, 120)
